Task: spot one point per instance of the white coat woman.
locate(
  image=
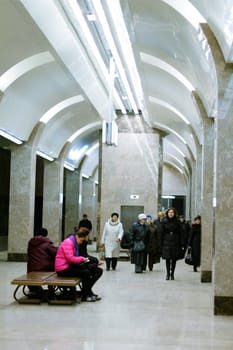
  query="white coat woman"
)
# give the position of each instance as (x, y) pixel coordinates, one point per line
(112, 234)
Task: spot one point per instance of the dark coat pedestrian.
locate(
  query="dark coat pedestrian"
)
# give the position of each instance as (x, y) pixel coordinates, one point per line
(140, 233)
(159, 220)
(153, 243)
(195, 242)
(172, 241)
(186, 229)
(85, 222)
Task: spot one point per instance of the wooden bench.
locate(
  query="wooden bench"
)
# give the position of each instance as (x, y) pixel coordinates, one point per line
(53, 294)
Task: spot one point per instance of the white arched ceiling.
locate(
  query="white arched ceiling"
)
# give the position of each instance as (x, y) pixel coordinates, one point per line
(160, 31)
(51, 65)
(7, 78)
(59, 129)
(219, 15)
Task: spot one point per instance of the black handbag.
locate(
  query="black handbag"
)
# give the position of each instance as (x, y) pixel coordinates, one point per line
(138, 246)
(188, 257)
(126, 241)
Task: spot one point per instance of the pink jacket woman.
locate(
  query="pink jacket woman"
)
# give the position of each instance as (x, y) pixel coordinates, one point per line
(66, 255)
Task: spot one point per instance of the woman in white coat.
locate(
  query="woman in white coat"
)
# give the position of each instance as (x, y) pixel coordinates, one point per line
(112, 234)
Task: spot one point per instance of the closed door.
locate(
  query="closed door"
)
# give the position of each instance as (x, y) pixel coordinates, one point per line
(129, 215)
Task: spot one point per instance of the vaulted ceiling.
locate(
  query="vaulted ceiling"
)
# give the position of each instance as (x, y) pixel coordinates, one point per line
(55, 81)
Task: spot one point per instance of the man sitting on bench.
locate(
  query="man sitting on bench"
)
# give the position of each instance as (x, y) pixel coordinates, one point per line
(70, 263)
(41, 254)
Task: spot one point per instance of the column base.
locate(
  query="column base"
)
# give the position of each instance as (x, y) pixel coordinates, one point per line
(206, 276)
(223, 306)
(17, 257)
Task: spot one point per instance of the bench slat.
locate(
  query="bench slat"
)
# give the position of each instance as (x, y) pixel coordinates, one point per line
(62, 281)
(34, 278)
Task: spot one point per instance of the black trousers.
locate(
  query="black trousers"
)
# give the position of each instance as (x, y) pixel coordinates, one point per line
(170, 266)
(89, 273)
(111, 262)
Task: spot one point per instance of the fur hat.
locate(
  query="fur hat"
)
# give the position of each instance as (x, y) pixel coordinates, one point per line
(141, 216)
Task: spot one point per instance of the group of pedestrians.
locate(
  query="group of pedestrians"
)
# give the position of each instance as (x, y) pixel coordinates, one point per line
(167, 237)
(70, 259)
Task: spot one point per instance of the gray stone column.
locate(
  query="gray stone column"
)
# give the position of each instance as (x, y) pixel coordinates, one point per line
(53, 199)
(207, 201)
(223, 232)
(223, 261)
(207, 192)
(129, 169)
(160, 172)
(71, 200)
(88, 205)
(22, 201)
(198, 183)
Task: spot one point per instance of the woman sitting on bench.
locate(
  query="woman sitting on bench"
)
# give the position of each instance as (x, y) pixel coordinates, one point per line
(69, 263)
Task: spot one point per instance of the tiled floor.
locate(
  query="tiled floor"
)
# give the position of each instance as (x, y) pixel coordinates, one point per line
(137, 312)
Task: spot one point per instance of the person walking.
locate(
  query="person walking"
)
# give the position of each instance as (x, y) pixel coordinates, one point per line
(158, 221)
(172, 241)
(186, 229)
(195, 242)
(140, 237)
(111, 237)
(153, 243)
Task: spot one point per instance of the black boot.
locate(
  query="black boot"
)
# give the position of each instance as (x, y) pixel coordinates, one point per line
(173, 269)
(114, 263)
(108, 262)
(168, 269)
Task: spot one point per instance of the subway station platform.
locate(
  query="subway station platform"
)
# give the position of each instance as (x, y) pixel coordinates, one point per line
(137, 312)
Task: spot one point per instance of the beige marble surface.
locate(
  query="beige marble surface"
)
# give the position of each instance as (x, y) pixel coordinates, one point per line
(137, 311)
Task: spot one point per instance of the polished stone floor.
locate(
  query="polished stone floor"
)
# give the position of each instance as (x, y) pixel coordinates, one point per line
(137, 312)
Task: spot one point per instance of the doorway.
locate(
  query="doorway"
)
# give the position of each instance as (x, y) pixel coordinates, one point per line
(129, 215)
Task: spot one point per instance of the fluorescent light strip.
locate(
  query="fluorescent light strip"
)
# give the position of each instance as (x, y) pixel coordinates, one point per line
(102, 18)
(157, 62)
(179, 161)
(114, 8)
(10, 137)
(95, 51)
(68, 166)
(175, 166)
(91, 149)
(174, 146)
(76, 154)
(168, 106)
(164, 127)
(59, 107)
(44, 155)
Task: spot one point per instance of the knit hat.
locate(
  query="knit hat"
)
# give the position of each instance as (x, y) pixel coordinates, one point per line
(148, 216)
(141, 216)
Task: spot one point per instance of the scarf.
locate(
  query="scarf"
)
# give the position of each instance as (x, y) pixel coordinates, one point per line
(73, 239)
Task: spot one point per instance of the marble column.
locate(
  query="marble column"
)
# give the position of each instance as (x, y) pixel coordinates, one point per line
(223, 237)
(223, 261)
(207, 201)
(71, 194)
(207, 192)
(198, 183)
(53, 199)
(160, 172)
(129, 172)
(22, 201)
(87, 205)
